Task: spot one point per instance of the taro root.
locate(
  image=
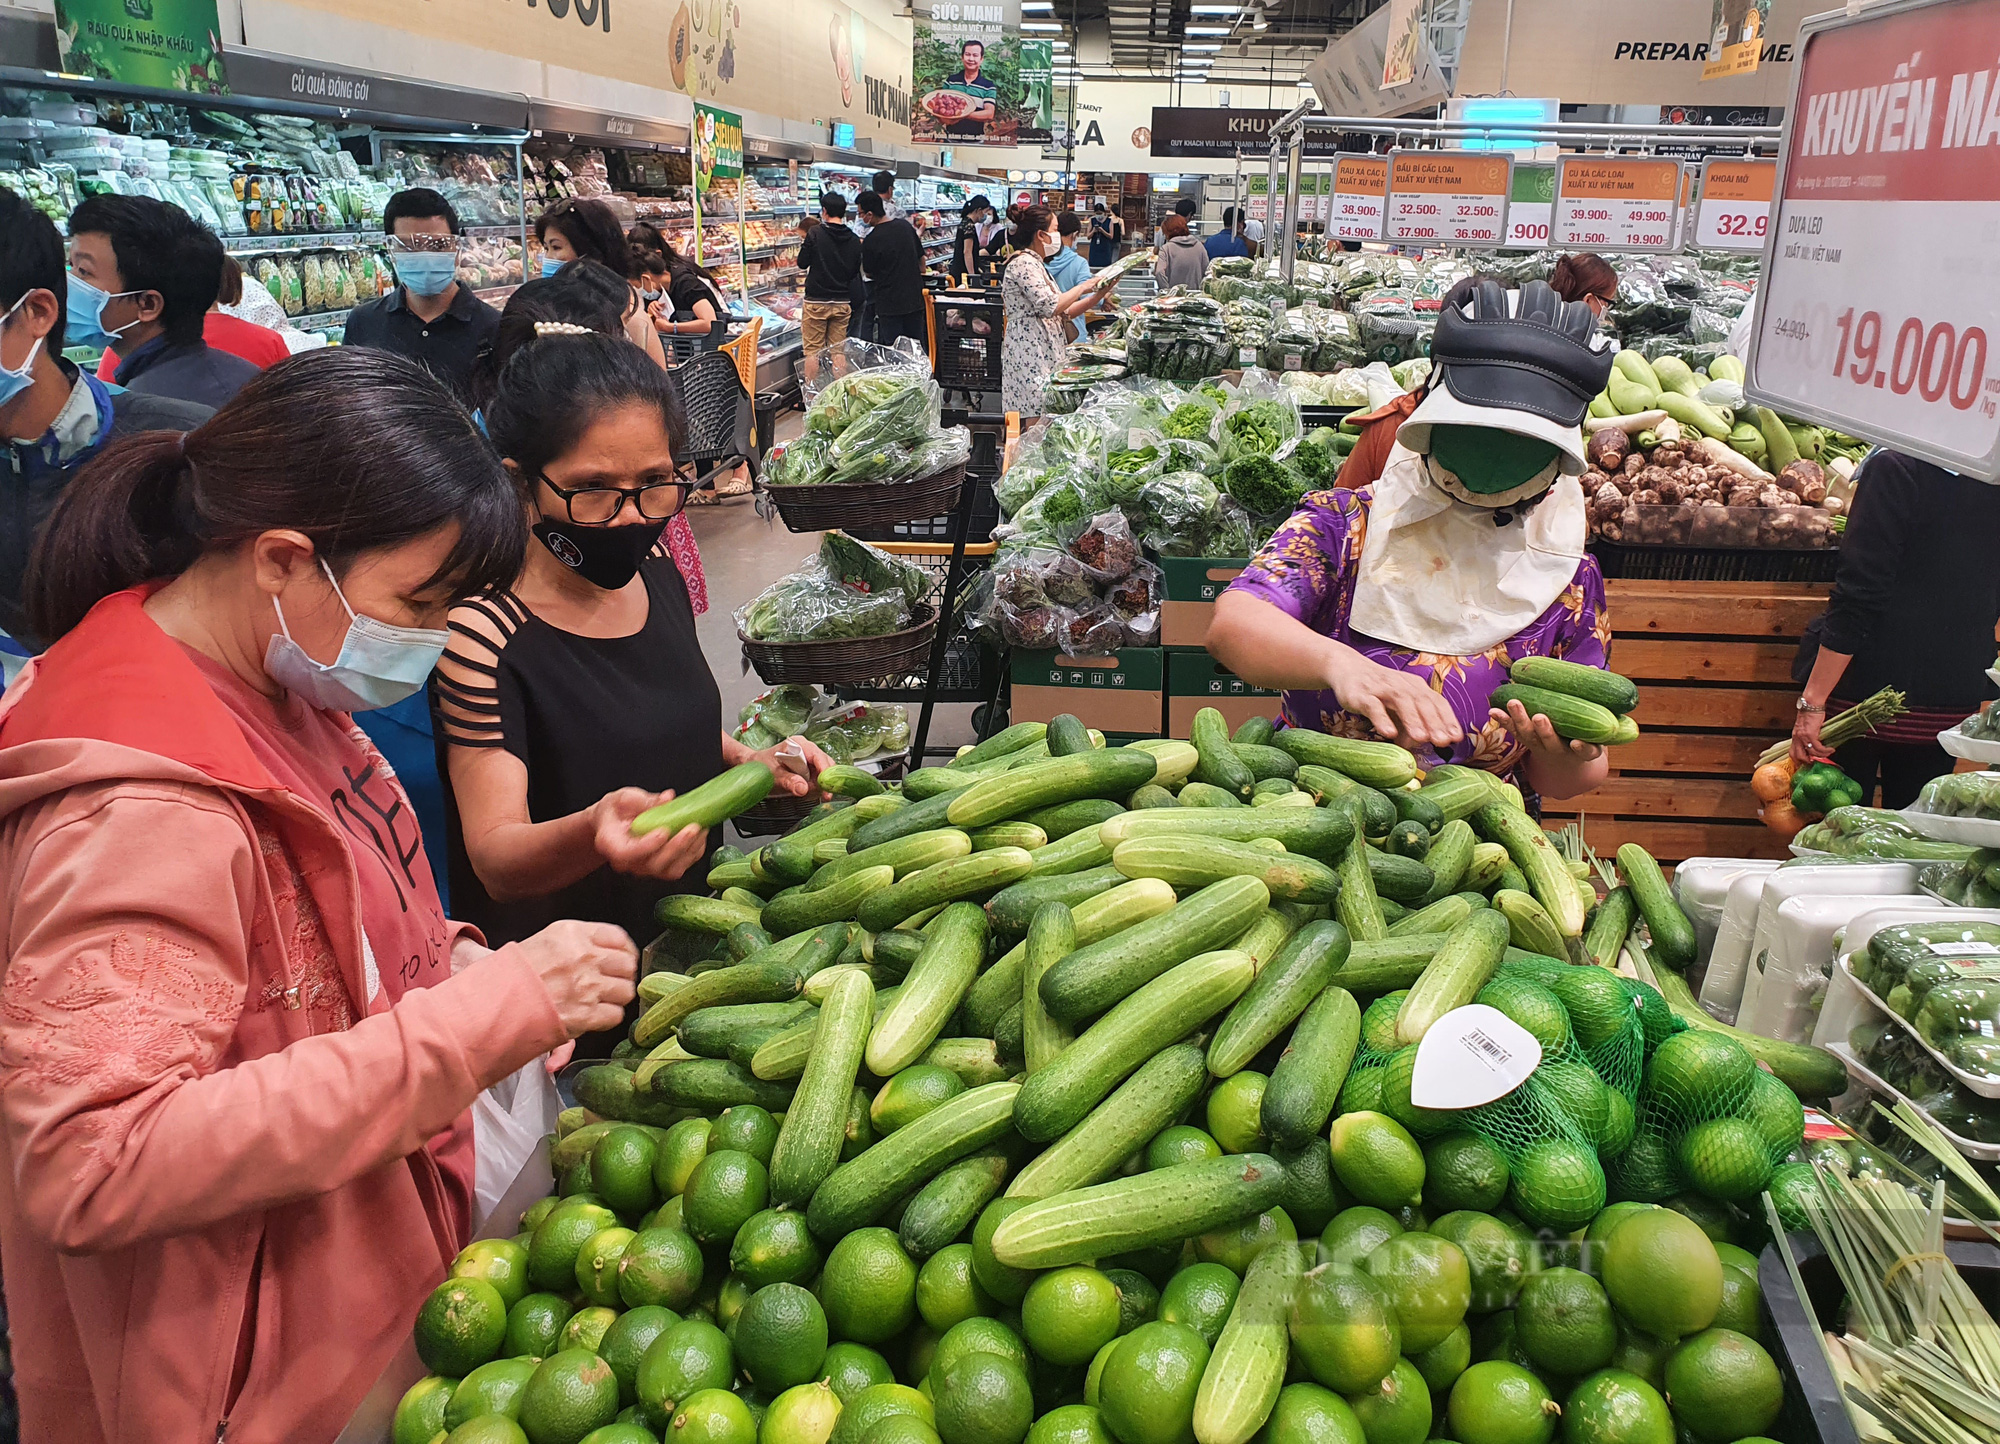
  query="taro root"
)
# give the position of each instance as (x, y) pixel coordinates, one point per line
(1590, 481)
(1607, 448)
(1634, 464)
(1668, 456)
(1775, 496)
(1673, 490)
(1645, 496)
(1651, 477)
(1743, 494)
(1806, 480)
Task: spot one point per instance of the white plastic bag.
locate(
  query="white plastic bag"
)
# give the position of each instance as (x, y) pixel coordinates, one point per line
(509, 1122)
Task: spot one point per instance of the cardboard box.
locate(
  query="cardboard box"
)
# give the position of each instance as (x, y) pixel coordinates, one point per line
(1196, 680)
(1122, 694)
(1193, 584)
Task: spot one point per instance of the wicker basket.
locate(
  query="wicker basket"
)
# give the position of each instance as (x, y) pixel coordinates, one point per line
(852, 659)
(778, 812)
(867, 504)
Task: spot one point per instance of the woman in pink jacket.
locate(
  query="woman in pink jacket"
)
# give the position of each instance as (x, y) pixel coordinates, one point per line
(238, 1037)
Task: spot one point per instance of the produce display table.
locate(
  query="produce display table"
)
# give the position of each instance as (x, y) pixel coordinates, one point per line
(1713, 661)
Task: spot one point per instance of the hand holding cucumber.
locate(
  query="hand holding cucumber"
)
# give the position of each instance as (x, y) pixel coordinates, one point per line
(662, 854)
(1557, 766)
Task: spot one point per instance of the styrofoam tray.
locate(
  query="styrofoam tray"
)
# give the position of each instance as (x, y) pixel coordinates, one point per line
(1972, 831)
(1972, 749)
(1798, 851)
(1987, 1152)
(1983, 1086)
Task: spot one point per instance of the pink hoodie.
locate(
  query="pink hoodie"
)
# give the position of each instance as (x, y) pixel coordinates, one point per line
(218, 1215)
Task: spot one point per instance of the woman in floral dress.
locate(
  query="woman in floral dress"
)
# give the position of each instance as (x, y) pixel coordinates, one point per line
(1034, 308)
(1395, 610)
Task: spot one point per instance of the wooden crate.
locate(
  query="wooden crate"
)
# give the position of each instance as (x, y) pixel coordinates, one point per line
(1713, 661)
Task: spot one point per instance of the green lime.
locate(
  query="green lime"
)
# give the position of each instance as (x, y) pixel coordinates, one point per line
(1533, 1006)
(1007, 1284)
(946, 1290)
(1095, 1372)
(493, 1388)
(534, 1325)
(910, 1095)
(1361, 1093)
(1182, 1143)
(1712, 1216)
(576, 1180)
(984, 1399)
(1071, 1424)
(1722, 1385)
(1736, 1258)
(691, 1356)
(685, 1145)
(1790, 1186)
(420, 1412)
(501, 1262)
(1557, 1185)
(668, 1215)
(1344, 1328)
(780, 1337)
(1726, 1158)
(1614, 1407)
(774, 1247)
(1377, 1160)
(711, 1416)
(660, 1266)
(1378, 1023)
(862, 1412)
(722, 1193)
(746, 1128)
(586, 1328)
(922, 1341)
(1645, 1172)
(1147, 1389)
(869, 1287)
(1354, 1234)
(1428, 1282)
(975, 1336)
(803, 1414)
(1742, 1301)
(1620, 1124)
(540, 1209)
(1598, 1008)
(1662, 1273)
(1572, 1090)
(1642, 1354)
(1498, 1403)
(1563, 1322)
(461, 1326)
(1235, 1113)
(569, 1394)
(1309, 1414)
(1200, 1296)
(1498, 1259)
(754, 1399)
(1397, 1410)
(1398, 1074)
(621, 1431)
(622, 1167)
(1601, 1227)
(558, 1240)
(1463, 1171)
(850, 1368)
(597, 1265)
(902, 1429)
(1236, 1246)
(625, 1343)
(730, 1297)
(1699, 1074)
(488, 1429)
(1445, 1360)
(1069, 1314)
(1138, 1299)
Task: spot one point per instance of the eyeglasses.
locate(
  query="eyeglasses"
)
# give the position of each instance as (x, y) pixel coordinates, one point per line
(600, 505)
(424, 243)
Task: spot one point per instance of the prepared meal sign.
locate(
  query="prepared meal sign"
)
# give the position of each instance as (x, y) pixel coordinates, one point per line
(1735, 210)
(1360, 197)
(1447, 198)
(1881, 290)
(1615, 203)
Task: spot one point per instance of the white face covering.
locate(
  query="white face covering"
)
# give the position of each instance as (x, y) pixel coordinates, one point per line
(379, 665)
(1436, 574)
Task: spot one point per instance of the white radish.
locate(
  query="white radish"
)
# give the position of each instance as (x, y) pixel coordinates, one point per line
(1718, 453)
(1631, 425)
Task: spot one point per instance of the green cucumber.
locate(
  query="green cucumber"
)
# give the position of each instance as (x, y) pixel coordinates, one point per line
(928, 782)
(831, 850)
(843, 780)
(1511, 879)
(808, 1147)
(1379, 814)
(1393, 912)
(1076, 852)
(895, 949)
(1358, 907)
(1255, 732)
(1247, 1368)
(1413, 806)
(932, 990)
(948, 1205)
(1402, 878)
(712, 1084)
(1007, 1035)
(1068, 737)
(821, 983)
(1067, 817)
(1266, 763)
(1015, 906)
(607, 1090)
(691, 913)
(784, 1055)
(1284, 986)
(905, 854)
(740, 897)
(743, 983)
(1609, 926)
(914, 817)
(1176, 760)
(861, 1190)
(792, 911)
(1275, 787)
(732, 874)
(1531, 929)
(1165, 1010)
(1539, 862)
(1192, 862)
(1207, 794)
(745, 939)
(1095, 977)
(1392, 963)
(1306, 1082)
(1051, 938)
(1378, 764)
(1671, 932)
(1321, 832)
(1150, 1100)
(1457, 791)
(1449, 859)
(722, 797)
(1813, 1073)
(1262, 939)
(1024, 835)
(1489, 860)
(1112, 772)
(1096, 918)
(1572, 717)
(655, 986)
(708, 1032)
(976, 1061)
(1439, 917)
(1001, 743)
(1219, 764)
(1408, 839)
(1165, 1205)
(1460, 968)
(1152, 795)
(962, 877)
(1593, 684)
(786, 860)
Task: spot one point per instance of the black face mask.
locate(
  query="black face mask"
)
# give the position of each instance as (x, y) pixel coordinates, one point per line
(604, 556)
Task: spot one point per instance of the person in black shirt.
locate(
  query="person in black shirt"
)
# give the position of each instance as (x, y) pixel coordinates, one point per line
(968, 251)
(430, 317)
(830, 256)
(893, 259)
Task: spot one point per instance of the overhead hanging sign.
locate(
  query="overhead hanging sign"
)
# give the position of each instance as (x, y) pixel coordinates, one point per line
(976, 79)
(718, 146)
(1313, 191)
(1360, 197)
(1210, 132)
(1736, 36)
(158, 44)
(1531, 205)
(1405, 43)
(1447, 198)
(1878, 303)
(1349, 76)
(1615, 203)
(1734, 213)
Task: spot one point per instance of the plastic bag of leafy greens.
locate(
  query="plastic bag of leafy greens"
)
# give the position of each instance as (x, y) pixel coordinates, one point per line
(940, 451)
(785, 709)
(857, 564)
(886, 461)
(1191, 420)
(1231, 534)
(1265, 486)
(1075, 440)
(1261, 419)
(811, 605)
(902, 417)
(1093, 631)
(845, 400)
(1339, 343)
(1178, 505)
(1316, 460)
(894, 720)
(801, 463)
(1412, 373)
(1018, 485)
(1291, 345)
(1106, 547)
(1137, 598)
(1387, 327)
(1130, 462)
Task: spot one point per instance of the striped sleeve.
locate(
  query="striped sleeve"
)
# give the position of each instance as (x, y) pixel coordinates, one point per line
(465, 688)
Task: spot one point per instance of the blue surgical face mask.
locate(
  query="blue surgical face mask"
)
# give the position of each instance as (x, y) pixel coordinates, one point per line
(550, 265)
(13, 383)
(84, 314)
(378, 666)
(425, 273)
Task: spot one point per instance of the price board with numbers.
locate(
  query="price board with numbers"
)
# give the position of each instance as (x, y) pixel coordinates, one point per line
(1360, 194)
(1448, 198)
(1881, 291)
(1619, 203)
(1735, 209)
(1531, 205)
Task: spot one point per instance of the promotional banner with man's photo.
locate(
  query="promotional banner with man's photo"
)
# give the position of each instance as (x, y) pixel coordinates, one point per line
(976, 80)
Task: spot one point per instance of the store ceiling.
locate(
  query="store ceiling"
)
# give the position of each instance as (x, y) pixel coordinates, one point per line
(1183, 38)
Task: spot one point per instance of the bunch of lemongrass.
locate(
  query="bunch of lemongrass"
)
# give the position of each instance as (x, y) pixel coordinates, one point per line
(1857, 721)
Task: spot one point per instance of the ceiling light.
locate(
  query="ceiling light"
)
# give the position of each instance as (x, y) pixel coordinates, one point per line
(1044, 25)
(1257, 20)
(1213, 9)
(1059, 44)
(1208, 29)
(1201, 47)
(1038, 4)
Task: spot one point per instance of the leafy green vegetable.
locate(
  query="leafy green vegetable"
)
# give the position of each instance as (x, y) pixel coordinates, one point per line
(857, 564)
(1190, 421)
(1316, 458)
(813, 606)
(1265, 487)
(1257, 429)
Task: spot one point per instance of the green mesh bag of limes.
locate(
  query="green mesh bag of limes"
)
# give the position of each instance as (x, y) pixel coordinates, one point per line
(1709, 1120)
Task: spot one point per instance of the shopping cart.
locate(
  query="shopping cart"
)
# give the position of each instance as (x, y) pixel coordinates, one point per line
(966, 333)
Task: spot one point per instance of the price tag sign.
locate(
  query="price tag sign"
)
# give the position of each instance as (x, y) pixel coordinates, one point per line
(1448, 198)
(1879, 301)
(1735, 211)
(1615, 203)
(1531, 205)
(1472, 1055)
(1360, 195)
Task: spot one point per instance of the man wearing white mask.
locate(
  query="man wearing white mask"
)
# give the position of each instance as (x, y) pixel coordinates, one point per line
(429, 317)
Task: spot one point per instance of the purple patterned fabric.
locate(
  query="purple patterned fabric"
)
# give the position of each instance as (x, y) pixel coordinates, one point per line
(1307, 570)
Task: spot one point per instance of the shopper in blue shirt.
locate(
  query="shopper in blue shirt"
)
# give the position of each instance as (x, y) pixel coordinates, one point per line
(1228, 241)
(1066, 267)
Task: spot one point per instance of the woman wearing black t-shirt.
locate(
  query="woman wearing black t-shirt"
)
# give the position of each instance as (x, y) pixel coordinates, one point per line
(693, 308)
